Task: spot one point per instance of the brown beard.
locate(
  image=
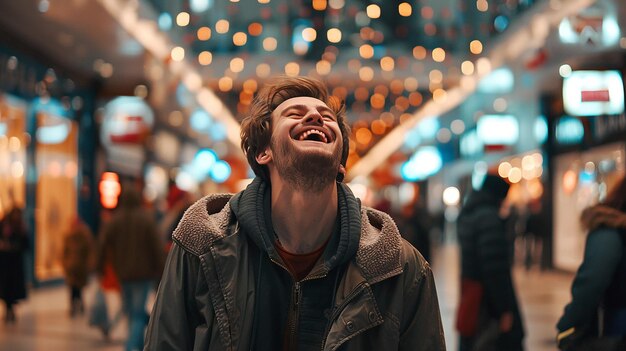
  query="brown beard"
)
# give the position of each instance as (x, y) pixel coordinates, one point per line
(310, 172)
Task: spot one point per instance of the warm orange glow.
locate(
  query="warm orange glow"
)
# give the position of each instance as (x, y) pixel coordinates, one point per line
(333, 35)
(222, 26)
(240, 39)
(378, 127)
(366, 74)
(366, 51)
(476, 47)
(319, 5)
(373, 11)
(419, 52)
(205, 58)
(263, 70)
(270, 44)
(255, 29)
(110, 189)
(415, 98)
(439, 54)
(387, 63)
(323, 67)
(225, 84)
(405, 9)
(361, 94)
(204, 33)
(388, 118)
(467, 68)
(292, 69)
(250, 85)
(363, 136)
(377, 101)
(237, 64)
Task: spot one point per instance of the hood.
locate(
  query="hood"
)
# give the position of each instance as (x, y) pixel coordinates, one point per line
(603, 216)
(478, 199)
(253, 211)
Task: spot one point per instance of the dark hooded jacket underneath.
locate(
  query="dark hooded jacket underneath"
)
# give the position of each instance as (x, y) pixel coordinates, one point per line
(601, 278)
(225, 286)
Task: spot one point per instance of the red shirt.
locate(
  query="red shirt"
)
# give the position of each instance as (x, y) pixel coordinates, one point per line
(299, 265)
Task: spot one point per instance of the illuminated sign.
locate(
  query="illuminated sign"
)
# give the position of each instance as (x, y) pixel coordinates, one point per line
(110, 190)
(498, 130)
(596, 25)
(593, 93)
(569, 130)
(127, 119)
(425, 162)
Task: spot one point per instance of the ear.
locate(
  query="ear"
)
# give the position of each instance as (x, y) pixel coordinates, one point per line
(341, 173)
(264, 157)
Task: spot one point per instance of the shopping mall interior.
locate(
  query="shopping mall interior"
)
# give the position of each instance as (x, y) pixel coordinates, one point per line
(97, 95)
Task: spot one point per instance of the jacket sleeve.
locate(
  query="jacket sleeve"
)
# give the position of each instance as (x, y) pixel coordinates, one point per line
(181, 314)
(494, 262)
(603, 252)
(420, 328)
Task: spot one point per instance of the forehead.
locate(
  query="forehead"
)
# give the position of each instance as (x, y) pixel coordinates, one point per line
(300, 101)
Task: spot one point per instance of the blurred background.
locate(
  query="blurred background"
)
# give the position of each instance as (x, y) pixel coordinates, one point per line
(96, 95)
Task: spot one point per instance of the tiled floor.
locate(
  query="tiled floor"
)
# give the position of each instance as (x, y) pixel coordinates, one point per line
(43, 322)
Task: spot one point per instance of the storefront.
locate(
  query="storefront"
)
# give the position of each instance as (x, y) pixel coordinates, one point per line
(46, 156)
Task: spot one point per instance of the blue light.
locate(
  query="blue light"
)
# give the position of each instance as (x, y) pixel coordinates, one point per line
(3, 128)
(220, 171)
(217, 132)
(412, 139)
(165, 21)
(428, 128)
(499, 81)
(569, 130)
(200, 121)
(501, 23)
(299, 45)
(425, 162)
(199, 6)
(204, 160)
(541, 129)
(183, 96)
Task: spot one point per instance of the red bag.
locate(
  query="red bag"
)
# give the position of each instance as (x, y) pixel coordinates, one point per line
(469, 307)
(109, 279)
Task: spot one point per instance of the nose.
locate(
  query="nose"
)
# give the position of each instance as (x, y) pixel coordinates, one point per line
(314, 117)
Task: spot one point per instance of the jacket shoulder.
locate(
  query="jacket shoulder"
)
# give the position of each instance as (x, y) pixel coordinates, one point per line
(380, 246)
(204, 222)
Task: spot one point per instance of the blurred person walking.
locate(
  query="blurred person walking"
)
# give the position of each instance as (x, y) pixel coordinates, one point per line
(488, 317)
(293, 261)
(130, 240)
(13, 244)
(78, 261)
(595, 319)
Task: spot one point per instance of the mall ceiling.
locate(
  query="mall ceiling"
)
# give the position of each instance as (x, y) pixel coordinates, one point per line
(386, 59)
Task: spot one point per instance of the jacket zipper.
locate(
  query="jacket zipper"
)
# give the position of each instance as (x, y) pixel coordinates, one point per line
(340, 308)
(294, 310)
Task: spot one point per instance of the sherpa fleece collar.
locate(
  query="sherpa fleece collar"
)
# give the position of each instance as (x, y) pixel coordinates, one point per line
(379, 243)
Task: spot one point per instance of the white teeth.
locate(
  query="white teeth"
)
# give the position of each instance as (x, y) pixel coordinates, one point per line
(311, 131)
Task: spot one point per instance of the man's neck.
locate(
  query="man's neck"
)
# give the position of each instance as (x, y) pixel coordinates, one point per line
(302, 220)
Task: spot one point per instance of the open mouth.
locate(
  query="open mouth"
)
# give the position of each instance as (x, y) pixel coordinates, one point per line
(312, 135)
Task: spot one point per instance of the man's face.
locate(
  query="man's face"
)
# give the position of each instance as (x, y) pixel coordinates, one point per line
(306, 142)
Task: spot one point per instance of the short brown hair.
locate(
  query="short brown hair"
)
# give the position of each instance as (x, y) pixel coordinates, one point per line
(256, 128)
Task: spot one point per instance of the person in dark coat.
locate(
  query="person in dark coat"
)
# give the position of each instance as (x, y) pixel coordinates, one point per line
(78, 262)
(485, 260)
(131, 242)
(598, 306)
(13, 244)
